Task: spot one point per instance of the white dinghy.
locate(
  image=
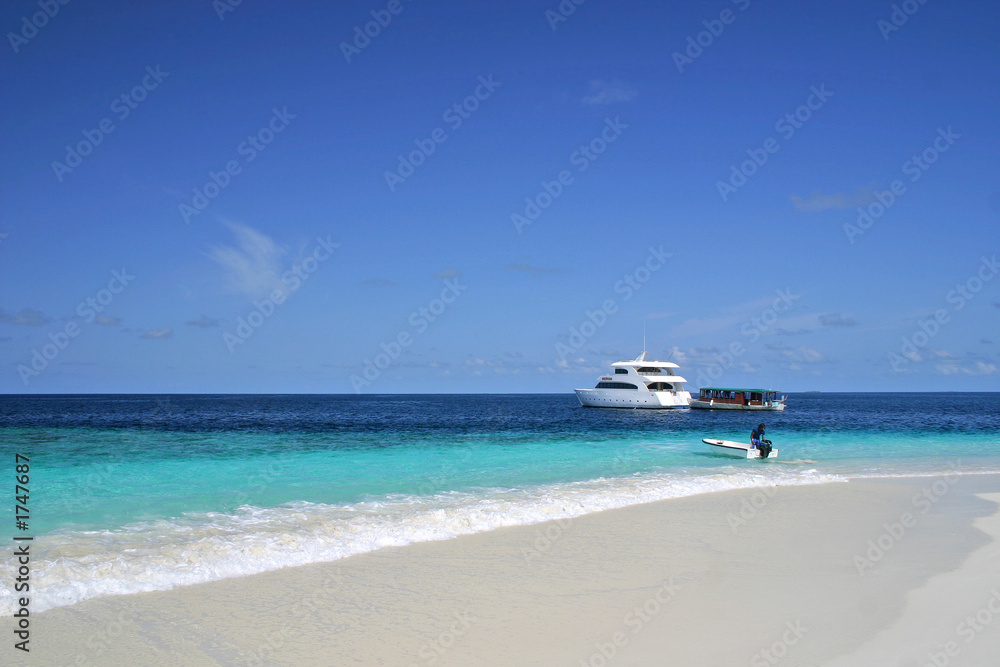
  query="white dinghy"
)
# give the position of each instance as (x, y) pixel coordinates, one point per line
(738, 449)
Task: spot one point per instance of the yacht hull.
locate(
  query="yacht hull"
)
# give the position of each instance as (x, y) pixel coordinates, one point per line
(710, 405)
(623, 398)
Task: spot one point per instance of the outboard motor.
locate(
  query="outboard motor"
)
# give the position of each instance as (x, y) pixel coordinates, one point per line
(764, 448)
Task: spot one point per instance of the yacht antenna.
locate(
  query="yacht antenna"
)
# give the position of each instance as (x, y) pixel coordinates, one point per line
(643, 339)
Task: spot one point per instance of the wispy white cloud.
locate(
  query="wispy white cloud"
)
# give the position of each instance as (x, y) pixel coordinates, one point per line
(521, 267)
(794, 357)
(705, 357)
(604, 92)
(253, 266)
(27, 317)
(677, 355)
(204, 322)
(157, 334)
(445, 274)
(377, 282)
(108, 321)
(818, 201)
(482, 362)
(696, 326)
(835, 320)
(971, 363)
(728, 317)
(973, 368)
(511, 363)
(576, 365)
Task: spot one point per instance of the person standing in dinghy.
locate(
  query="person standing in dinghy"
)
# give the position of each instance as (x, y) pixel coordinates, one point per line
(757, 440)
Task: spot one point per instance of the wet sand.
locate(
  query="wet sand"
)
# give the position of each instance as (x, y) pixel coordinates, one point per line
(878, 572)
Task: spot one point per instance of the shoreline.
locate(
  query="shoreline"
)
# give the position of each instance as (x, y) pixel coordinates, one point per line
(703, 578)
(328, 535)
(953, 618)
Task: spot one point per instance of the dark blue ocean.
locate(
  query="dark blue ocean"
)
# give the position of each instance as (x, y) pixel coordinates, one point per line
(135, 493)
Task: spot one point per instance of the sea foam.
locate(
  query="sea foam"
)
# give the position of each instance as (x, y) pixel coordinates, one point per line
(71, 566)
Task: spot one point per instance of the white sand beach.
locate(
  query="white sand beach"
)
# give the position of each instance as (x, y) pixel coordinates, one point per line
(871, 572)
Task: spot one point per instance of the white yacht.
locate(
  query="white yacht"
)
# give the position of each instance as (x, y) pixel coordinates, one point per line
(638, 384)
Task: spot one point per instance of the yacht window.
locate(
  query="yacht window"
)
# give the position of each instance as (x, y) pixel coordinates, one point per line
(615, 385)
(621, 371)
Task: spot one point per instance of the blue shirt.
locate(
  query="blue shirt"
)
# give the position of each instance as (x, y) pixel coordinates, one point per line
(755, 437)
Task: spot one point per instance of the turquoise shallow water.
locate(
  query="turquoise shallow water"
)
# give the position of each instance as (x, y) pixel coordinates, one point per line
(135, 493)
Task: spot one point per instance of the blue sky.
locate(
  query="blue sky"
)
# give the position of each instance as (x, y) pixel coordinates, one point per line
(697, 169)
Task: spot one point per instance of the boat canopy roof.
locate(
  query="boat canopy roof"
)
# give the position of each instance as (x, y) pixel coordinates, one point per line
(649, 364)
(739, 390)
